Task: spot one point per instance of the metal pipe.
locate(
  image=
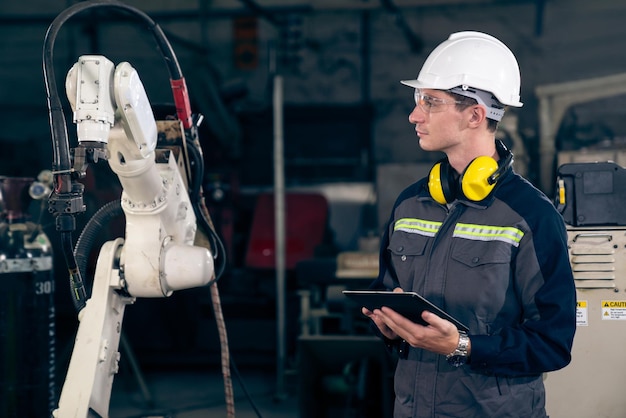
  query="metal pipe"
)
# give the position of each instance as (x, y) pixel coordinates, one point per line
(279, 230)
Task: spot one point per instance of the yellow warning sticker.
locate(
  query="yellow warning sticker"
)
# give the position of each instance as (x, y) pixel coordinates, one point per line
(581, 313)
(614, 310)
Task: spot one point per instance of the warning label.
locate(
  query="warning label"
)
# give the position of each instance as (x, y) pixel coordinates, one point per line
(614, 310)
(581, 313)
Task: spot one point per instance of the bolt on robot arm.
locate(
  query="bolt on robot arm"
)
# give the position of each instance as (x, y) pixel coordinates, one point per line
(156, 257)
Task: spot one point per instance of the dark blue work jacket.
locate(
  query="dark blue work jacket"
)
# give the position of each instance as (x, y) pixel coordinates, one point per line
(500, 266)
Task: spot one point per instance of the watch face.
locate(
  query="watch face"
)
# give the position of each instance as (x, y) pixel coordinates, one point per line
(457, 361)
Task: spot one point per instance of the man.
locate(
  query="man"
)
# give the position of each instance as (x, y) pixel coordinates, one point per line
(479, 241)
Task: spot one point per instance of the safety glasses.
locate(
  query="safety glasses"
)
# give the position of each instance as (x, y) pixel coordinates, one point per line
(430, 104)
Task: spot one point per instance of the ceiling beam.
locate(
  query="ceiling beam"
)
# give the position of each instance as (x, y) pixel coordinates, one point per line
(359, 4)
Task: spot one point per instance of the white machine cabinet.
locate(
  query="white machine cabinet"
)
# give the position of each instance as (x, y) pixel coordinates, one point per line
(594, 383)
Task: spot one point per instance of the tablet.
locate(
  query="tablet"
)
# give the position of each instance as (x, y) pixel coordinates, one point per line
(408, 304)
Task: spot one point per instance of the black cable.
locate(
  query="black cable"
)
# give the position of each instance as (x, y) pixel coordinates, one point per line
(197, 201)
(77, 287)
(90, 232)
(245, 389)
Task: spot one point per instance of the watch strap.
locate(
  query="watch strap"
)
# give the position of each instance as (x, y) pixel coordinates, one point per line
(459, 356)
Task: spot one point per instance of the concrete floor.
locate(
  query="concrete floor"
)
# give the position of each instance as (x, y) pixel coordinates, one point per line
(324, 375)
(335, 377)
(196, 394)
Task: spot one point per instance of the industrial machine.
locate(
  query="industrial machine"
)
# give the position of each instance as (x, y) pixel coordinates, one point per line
(163, 249)
(592, 384)
(27, 310)
(591, 196)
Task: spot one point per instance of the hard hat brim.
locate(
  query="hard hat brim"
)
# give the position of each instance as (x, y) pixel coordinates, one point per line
(413, 83)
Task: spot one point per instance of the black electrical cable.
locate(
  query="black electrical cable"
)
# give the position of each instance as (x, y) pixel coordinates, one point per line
(197, 201)
(79, 296)
(92, 229)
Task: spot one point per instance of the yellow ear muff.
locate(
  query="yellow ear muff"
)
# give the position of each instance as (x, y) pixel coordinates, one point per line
(474, 183)
(434, 184)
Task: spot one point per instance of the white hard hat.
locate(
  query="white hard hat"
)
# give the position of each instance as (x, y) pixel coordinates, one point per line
(475, 60)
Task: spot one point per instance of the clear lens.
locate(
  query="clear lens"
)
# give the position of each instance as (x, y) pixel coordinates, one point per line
(431, 104)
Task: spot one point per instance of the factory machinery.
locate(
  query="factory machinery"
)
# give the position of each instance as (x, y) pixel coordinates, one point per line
(591, 196)
(169, 242)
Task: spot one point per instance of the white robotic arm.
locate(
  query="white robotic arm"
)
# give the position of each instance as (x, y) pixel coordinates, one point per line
(157, 255)
(96, 89)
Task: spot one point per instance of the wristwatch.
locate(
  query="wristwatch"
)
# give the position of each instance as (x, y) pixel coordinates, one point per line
(459, 356)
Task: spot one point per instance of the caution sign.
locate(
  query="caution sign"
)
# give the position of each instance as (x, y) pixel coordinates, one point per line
(614, 310)
(581, 313)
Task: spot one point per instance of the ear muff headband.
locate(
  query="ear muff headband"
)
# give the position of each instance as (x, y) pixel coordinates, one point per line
(506, 155)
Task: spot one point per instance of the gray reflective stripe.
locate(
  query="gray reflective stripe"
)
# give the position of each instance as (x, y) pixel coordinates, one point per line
(488, 233)
(417, 226)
